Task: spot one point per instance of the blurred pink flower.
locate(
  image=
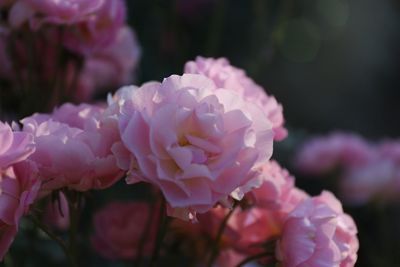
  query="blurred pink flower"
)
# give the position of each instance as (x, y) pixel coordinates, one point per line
(377, 180)
(110, 67)
(74, 148)
(15, 146)
(99, 31)
(229, 77)
(193, 141)
(338, 150)
(119, 228)
(318, 233)
(18, 190)
(90, 25)
(56, 213)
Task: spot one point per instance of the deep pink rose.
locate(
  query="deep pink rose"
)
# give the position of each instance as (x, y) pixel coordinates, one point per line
(15, 146)
(119, 228)
(317, 234)
(227, 76)
(74, 148)
(195, 142)
(18, 190)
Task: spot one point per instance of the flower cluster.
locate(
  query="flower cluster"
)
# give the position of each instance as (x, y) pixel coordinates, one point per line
(369, 171)
(202, 141)
(64, 50)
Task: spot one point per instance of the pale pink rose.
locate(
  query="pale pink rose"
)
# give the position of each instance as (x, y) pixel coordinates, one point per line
(74, 148)
(18, 190)
(193, 141)
(56, 213)
(227, 76)
(317, 233)
(119, 229)
(15, 146)
(338, 150)
(99, 31)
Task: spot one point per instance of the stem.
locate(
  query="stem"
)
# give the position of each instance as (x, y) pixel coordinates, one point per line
(162, 229)
(73, 213)
(215, 251)
(252, 258)
(55, 238)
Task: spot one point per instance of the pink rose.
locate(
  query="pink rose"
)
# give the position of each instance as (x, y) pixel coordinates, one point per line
(119, 228)
(227, 76)
(18, 190)
(379, 179)
(195, 142)
(74, 148)
(110, 67)
(99, 31)
(318, 233)
(65, 12)
(14, 146)
(323, 154)
(276, 190)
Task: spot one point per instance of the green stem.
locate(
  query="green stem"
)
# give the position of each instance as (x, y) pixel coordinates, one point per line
(215, 251)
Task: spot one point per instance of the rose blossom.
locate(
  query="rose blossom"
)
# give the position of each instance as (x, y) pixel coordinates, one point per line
(73, 148)
(119, 228)
(318, 233)
(379, 179)
(14, 146)
(323, 154)
(91, 24)
(227, 76)
(276, 188)
(99, 31)
(18, 190)
(65, 12)
(193, 141)
(112, 66)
